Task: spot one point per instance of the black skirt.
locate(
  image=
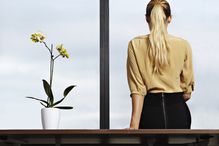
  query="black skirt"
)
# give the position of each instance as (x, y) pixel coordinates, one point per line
(165, 111)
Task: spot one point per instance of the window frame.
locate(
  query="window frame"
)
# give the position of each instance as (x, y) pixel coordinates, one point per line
(104, 65)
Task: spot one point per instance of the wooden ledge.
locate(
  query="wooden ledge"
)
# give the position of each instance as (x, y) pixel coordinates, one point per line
(108, 137)
(106, 132)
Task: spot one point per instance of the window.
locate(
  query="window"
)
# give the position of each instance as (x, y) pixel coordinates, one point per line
(192, 20)
(24, 64)
(76, 25)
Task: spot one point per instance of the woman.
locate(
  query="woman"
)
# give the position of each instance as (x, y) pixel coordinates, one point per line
(160, 74)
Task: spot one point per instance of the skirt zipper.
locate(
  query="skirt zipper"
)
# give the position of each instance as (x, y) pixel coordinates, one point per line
(164, 111)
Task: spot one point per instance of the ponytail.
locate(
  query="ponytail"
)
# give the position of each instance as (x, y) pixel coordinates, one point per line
(158, 44)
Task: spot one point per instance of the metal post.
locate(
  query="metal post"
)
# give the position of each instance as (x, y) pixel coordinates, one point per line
(104, 64)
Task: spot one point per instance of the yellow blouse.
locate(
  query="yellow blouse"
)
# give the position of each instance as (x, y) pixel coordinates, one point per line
(178, 76)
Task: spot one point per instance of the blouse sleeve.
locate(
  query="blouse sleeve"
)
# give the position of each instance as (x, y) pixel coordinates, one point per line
(187, 74)
(135, 81)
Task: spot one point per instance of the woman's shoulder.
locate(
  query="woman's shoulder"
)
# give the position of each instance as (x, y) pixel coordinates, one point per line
(180, 42)
(171, 37)
(139, 38)
(138, 43)
(178, 39)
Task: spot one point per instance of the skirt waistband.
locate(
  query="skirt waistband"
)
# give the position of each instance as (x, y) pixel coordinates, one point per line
(165, 94)
(168, 98)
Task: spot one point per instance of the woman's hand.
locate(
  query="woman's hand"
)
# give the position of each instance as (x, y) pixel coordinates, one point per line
(186, 96)
(134, 124)
(130, 128)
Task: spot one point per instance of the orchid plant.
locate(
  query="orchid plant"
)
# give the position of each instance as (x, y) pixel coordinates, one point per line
(50, 103)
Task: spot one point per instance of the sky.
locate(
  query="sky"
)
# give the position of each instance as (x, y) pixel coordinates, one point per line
(75, 23)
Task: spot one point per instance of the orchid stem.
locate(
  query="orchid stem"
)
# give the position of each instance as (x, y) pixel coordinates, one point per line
(56, 57)
(51, 66)
(50, 51)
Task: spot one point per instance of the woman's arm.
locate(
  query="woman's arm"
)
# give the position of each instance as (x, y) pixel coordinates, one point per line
(137, 87)
(137, 105)
(187, 74)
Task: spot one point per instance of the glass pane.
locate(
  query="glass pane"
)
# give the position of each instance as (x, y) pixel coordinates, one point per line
(23, 64)
(125, 23)
(194, 21)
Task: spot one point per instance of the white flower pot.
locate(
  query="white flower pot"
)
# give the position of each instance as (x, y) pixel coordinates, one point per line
(50, 118)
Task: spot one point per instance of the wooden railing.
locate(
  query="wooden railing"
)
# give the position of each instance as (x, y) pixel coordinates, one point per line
(109, 137)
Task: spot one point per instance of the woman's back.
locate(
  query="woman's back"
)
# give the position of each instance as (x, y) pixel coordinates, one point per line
(177, 76)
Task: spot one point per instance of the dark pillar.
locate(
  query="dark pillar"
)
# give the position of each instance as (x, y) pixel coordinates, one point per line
(104, 64)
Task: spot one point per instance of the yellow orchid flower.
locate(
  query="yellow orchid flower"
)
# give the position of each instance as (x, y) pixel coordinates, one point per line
(62, 51)
(37, 37)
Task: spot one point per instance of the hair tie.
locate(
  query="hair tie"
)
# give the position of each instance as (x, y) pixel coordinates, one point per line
(157, 2)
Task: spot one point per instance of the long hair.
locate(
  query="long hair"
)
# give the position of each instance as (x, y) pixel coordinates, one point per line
(157, 13)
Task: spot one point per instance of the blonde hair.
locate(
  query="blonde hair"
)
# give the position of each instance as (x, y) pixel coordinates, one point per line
(157, 14)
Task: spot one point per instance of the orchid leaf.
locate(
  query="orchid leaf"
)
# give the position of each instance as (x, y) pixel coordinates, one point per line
(64, 107)
(43, 104)
(58, 102)
(43, 101)
(68, 89)
(48, 91)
